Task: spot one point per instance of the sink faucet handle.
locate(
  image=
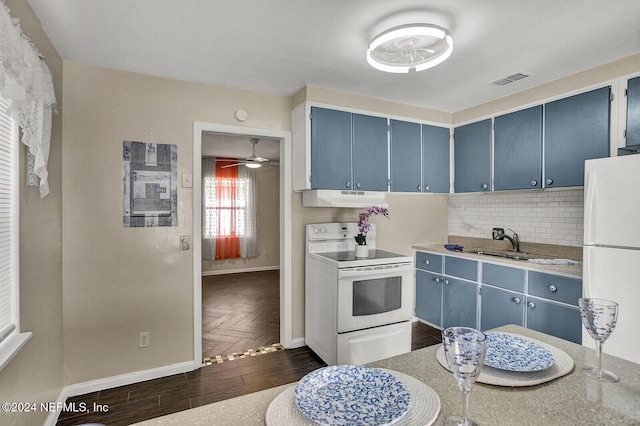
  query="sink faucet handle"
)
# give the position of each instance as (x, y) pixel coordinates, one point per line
(515, 234)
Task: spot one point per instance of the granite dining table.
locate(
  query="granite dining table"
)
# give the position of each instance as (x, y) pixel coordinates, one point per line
(570, 399)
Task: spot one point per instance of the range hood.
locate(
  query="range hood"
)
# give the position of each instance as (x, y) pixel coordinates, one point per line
(348, 199)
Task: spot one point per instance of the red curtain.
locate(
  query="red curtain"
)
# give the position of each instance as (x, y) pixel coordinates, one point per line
(227, 240)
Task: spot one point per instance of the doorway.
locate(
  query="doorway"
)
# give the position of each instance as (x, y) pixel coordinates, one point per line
(240, 295)
(285, 227)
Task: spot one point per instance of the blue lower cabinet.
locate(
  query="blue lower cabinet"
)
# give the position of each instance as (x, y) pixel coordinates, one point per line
(460, 303)
(501, 307)
(555, 319)
(429, 297)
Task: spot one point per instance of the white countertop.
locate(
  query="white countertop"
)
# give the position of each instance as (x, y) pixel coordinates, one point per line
(568, 400)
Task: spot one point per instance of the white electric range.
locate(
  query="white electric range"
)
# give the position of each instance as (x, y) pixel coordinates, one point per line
(357, 310)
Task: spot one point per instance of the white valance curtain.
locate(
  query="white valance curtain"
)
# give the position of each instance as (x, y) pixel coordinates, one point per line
(246, 220)
(26, 81)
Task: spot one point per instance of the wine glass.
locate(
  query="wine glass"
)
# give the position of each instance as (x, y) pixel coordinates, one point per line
(464, 349)
(599, 317)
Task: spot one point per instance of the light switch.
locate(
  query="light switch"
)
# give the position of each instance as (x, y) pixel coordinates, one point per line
(185, 242)
(187, 180)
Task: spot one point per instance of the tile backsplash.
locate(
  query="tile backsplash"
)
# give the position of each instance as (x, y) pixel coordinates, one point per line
(544, 216)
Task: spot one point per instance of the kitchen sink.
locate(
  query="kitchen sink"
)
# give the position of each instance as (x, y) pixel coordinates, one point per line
(506, 255)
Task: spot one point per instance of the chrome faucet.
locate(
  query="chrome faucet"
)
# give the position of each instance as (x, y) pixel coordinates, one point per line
(515, 242)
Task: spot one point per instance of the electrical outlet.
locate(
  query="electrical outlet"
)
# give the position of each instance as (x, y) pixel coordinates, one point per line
(144, 339)
(497, 233)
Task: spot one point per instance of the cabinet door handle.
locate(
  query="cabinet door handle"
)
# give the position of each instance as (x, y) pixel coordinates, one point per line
(531, 305)
(446, 282)
(549, 181)
(516, 300)
(484, 186)
(534, 182)
(438, 280)
(553, 288)
(358, 185)
(347, 184)
(427, 262)
(426, 188)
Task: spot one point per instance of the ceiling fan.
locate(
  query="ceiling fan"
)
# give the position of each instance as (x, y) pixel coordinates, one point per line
(252, 162)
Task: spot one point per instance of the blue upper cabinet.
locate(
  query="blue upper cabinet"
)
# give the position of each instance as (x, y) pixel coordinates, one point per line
(330, 149)
(406, 142)
(472, 153)
(576, 129)
(633, 112)
(518, 150)
(370, 153)
(435, 159)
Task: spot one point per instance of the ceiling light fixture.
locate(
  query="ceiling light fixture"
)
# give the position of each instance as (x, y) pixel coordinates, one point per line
(252, 164)
(410, 47)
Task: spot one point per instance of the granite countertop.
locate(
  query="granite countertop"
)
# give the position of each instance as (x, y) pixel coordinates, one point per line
(568, 400)
(532, 250)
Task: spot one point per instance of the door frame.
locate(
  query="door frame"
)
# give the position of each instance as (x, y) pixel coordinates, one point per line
(286, 242)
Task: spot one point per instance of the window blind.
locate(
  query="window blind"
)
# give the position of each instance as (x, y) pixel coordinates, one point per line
(8, 222)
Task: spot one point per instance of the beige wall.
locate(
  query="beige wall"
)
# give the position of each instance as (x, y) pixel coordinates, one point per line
(120, 281)
(268, 187)
(35, 375)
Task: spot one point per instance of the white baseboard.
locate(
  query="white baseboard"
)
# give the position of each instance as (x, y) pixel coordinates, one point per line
(296, 343)
(120, 380)
(237, 271)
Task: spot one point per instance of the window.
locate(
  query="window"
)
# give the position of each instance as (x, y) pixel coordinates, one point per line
(227, 212)
(10, 339)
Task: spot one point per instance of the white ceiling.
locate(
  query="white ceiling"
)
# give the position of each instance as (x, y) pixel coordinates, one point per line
(236, 146)
(279, 46)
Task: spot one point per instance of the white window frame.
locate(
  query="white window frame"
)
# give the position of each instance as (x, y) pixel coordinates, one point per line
(11, 339)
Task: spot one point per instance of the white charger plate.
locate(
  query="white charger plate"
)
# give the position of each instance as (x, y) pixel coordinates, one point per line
(562, 366)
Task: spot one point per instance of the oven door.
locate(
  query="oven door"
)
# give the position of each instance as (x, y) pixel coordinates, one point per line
(371, 296)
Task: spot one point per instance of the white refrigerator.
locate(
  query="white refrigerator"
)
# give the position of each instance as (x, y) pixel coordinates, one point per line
(611, 253)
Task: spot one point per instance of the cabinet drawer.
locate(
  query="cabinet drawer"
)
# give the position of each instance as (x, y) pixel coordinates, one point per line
(462, 268)
(555, 287)
(503, 276)
(429, 261)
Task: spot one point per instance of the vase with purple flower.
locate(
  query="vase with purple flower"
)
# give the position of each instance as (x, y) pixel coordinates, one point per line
(362, 250)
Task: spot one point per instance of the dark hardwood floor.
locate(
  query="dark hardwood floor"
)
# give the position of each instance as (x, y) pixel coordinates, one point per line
(240, 312)
(231, 377)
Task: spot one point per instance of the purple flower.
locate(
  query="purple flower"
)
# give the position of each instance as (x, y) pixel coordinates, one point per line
(363, 222)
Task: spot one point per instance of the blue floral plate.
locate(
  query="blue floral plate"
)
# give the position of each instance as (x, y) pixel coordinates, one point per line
(352, 395)
(513, 353)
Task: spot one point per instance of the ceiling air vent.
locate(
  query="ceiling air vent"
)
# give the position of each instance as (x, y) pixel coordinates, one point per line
(510, 79)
